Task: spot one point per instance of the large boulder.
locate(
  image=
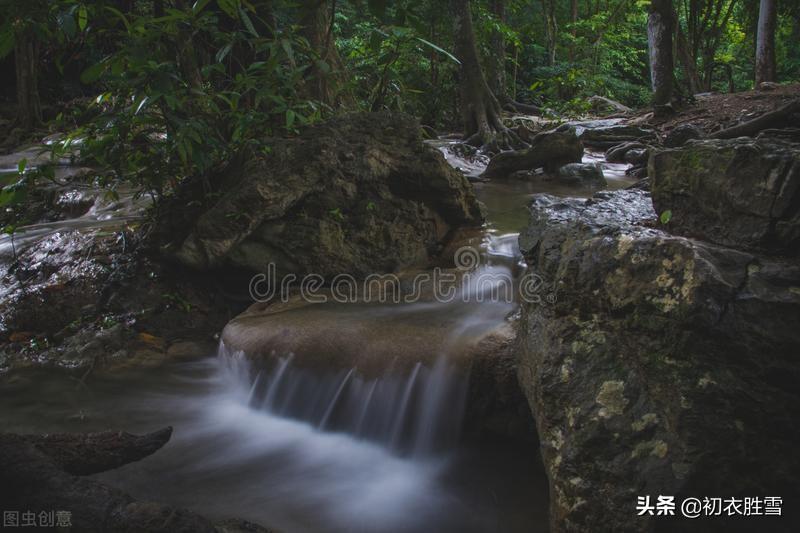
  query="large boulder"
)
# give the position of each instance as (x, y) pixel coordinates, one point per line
(589, 175)
(604, 136)
(740, 192)
(666, 366)
(549, 150)
(358, 194)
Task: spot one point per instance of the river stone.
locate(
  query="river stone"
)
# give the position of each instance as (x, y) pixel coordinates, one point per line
(666, 366)
(607, 136)
(372, 337)
(588, 175)
(681, 134)
(616, 154)
(739, 192)
(548, 150)
(358, 194)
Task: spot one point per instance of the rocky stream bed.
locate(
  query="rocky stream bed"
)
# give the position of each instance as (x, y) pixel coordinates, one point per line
(652, 354)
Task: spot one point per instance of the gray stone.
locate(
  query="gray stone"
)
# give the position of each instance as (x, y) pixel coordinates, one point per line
(583, 175)
(681, 134)
(548, 150)
(740, 192)
(665, 366)
(359, 194)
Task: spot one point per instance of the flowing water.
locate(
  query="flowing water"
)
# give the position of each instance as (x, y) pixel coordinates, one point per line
(277, 442)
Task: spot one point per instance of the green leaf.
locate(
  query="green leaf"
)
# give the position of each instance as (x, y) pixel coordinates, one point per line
(223, 52)
(21, 165)
(6, 39)
(199, 5)
(290, 115)
(666, 216)
(287, 47)
(121, 16)
(228, 6)
(438, 49)
(141, 105)
(248, 23)
(83, 17)
(93, 73)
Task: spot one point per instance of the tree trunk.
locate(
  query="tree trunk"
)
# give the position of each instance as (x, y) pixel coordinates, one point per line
(688, 62)
(551, 29)
(26, 60)
(573, 7)
(325, 83)
(480, 109)
(660, 25)
(765, 41)
(496, 66)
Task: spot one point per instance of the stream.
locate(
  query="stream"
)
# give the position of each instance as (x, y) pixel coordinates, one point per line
(336, 451)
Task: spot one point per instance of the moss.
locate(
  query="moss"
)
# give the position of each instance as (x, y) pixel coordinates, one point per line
(611, 398)
(647, 420)
(654, 448)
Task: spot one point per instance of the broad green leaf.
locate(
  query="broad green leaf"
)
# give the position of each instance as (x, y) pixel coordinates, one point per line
(121, 16)
(289, 119)
(666, 216)
(21, 165)
(83, 17)
(248, 23)
(438, 49)
(141, 105)
(287, 47)
(223, 52)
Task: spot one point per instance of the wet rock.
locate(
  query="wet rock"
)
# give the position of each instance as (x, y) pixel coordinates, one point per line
(90, 301)
(617, 153)
(359, 194)
(637, 156)
(607, 136)
(335, 335)
(184, 350)
(740, 192)
(43, 473)
(548, 150)
(666, 365)
(589, 175)
(495, 402)
(682, 134)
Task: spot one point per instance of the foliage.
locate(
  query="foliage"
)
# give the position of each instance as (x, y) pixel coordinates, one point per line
(181, 97)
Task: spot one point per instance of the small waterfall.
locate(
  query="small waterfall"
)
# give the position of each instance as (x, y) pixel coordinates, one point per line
(417, 412)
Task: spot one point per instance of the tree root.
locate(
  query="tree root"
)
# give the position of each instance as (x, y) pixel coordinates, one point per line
(781, 117)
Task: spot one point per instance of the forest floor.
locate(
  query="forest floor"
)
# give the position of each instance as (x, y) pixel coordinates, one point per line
(716, 111)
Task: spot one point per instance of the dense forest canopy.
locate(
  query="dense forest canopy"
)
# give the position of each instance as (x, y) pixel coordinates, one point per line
(158, 89)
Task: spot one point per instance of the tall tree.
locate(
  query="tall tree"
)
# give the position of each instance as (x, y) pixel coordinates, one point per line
(551, 29)
(480, 109)
(325, 84)
(765, 41)
(496, 64)
(705, 22)
(26, 61)
(660, 28)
